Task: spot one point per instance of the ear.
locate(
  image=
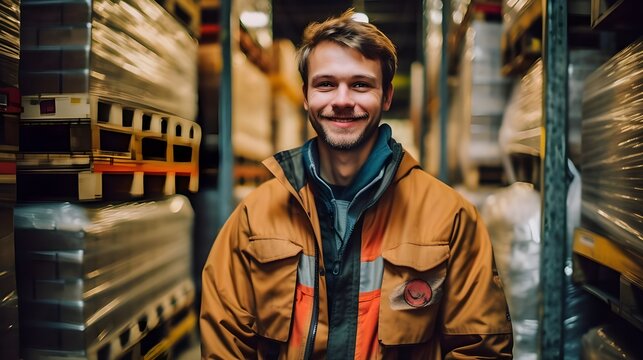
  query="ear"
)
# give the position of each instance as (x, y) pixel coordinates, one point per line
(388, 98)
(303, 89)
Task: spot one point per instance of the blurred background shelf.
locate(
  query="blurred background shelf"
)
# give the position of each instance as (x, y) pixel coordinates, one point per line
(611, 273)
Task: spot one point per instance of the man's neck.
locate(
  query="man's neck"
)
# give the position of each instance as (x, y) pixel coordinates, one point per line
(340, 167)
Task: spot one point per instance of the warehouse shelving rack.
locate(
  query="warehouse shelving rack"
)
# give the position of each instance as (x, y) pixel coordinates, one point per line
(610, 273)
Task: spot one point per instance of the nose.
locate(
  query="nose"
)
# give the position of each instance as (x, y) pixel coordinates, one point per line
(343, 97)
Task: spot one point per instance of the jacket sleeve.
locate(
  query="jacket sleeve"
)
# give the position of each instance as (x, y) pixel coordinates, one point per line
(227, 321)
(476, 321)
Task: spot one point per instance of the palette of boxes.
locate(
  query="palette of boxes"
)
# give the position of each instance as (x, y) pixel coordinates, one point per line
(97, 143)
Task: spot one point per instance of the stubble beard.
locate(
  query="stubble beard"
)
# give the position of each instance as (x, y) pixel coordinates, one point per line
(337, 144)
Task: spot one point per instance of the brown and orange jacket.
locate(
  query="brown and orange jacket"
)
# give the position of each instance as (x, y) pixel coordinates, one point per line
(428, 288)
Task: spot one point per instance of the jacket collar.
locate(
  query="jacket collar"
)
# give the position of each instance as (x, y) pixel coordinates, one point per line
(288, 168)
(378, 158)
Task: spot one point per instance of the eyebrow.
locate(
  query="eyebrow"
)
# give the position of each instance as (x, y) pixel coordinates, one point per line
(355, 77)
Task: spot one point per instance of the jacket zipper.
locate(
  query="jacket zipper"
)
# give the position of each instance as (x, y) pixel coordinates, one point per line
(312, 331)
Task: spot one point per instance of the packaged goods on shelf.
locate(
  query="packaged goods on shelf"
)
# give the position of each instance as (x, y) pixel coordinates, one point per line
(9, 42)
(480, 100)
(289, 117)
(582, 62)
(521, 124)
(252, 110)
(130, 52)
(612, 184)
(520, 129)
(88, 274)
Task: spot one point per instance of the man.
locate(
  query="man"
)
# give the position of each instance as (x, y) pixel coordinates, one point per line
(352, 251)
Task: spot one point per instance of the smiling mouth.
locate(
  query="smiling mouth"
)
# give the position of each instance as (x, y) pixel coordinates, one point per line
(343, 118)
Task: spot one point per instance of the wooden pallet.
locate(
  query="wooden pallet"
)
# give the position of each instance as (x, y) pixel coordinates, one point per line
(9, 124)
(10, 100)
(101, 148)
(611, 273)
(7, 178)
(173, 308)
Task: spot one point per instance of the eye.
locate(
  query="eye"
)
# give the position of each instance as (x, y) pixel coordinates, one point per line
(361, 85)
(324, 84)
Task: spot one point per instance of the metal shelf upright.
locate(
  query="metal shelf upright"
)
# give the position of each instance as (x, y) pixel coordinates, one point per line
(554, 177)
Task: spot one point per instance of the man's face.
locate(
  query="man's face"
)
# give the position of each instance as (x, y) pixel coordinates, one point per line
(344, 96)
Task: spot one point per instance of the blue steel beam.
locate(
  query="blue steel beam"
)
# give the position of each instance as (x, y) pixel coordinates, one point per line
(554, 178)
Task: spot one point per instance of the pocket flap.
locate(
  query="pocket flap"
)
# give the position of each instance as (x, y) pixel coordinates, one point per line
(415, 256)
(265, 250)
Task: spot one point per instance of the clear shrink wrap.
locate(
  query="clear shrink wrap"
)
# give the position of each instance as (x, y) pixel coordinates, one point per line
(87, 271)
(521, 125)
(582, 62)
(513, 219)
(131, 52)
(512, 216)
(9, 42)
(612, 130)
(520, 129)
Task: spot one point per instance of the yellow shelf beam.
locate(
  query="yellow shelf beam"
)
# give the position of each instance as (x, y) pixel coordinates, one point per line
(607, 253)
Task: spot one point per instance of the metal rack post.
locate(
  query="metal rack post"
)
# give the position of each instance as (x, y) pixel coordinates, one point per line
(444, 99)
(226, 158)
(554, 177)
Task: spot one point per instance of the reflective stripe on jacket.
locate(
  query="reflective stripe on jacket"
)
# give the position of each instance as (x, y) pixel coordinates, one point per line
(428, 285)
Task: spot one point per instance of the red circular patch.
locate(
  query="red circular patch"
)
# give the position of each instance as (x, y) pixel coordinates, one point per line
(417, 293)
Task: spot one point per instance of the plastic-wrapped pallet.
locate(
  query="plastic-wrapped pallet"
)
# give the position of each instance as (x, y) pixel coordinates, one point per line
(520, 129)
(9, 42)
(131, 52)
(521, 125)
(612, 129)
(94, 277)
(9, 344)
(582, 62)
(513, 219)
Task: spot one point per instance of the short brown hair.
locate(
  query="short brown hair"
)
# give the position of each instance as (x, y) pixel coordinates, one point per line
(363, 37)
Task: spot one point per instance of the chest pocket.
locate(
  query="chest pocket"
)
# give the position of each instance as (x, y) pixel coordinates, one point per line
(273, 271)
(412, 287)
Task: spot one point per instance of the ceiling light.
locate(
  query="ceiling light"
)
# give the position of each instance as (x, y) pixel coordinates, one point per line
(254, 19)
(360, 17)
